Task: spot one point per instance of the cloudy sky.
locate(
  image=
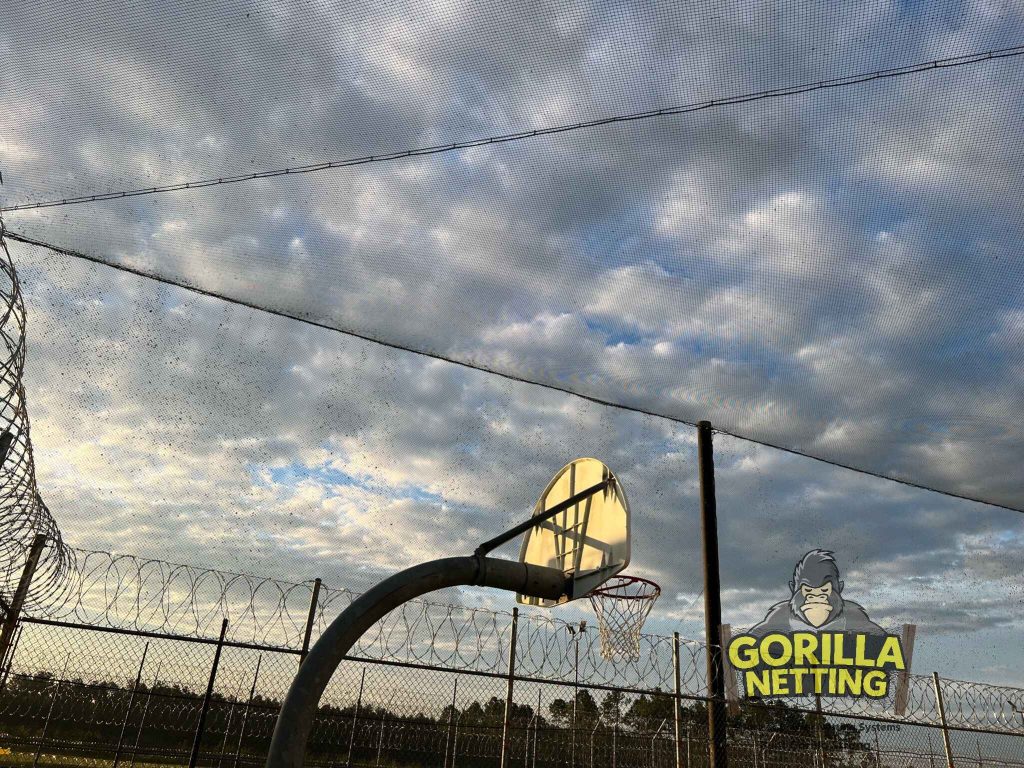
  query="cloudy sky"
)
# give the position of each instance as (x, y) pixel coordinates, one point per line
(835, 272)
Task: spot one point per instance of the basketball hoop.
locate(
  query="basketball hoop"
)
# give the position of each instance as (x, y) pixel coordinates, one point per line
(622, 605)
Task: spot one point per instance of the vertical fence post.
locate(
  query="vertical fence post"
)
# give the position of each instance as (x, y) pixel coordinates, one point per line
(10, 657)
(128, 711)
(654, 742)
(536, 728)
(576, 636)
(712, 598)
(451, 719)
(942, 719)
(506, 734)
(49, 712)
(201, 725)
(310, 620)
(20, 593)
(455, 739)
(977, 743)
(142, 720)
(380, 740)
(245, 712)
(227, 729)
(931, 752)
(677, 713)
(355, 719)
(818, 722)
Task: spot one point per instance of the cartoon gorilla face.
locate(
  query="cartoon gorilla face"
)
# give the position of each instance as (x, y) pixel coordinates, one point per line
(816, 602)
(816, 589)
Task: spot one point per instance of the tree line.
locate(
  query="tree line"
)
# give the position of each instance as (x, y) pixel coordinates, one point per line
(586, 728)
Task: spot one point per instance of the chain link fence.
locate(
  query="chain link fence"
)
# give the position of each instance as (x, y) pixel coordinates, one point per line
(118, 675)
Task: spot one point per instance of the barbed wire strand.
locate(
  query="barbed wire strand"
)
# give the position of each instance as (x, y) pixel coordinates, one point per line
(839, 82)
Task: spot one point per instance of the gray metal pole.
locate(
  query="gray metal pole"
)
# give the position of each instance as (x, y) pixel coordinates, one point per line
(295, 720)
(575, 692)
(20, 593)
(451, 719)
(506, 728)
(653, 740)
(536, 728)
(942, 719)
(310, 620)
(245, 712)
(380, 740)
(142, 720)
(355, 719)
(227, 731)
(455, 739)
(677, 714)
(128, 711)
(49, 713)
(712, 598)
(201, 725)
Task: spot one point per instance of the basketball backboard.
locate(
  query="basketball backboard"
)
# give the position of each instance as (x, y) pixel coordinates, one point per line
(590, 540)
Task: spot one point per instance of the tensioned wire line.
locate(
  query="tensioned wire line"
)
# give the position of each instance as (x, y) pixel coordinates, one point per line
(482, 368)
(846, 80)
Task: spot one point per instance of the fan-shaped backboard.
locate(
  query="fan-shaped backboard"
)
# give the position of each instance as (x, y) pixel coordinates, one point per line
(590, 540)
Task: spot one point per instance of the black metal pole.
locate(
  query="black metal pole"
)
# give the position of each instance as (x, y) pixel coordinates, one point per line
(10, 657)
(310, 619)
(201, 725)
(20, 593)
(712, 598)
(558, 509)
(506, 729)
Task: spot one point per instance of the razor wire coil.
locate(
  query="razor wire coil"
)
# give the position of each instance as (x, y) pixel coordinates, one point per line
(23, 514)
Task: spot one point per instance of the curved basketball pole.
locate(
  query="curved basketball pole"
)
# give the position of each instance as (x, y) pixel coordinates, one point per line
(295, 720)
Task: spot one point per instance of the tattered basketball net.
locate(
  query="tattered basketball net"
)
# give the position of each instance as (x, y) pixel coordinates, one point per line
(622, 604)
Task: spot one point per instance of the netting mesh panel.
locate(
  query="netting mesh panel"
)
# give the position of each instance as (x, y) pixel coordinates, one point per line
(835, 272)
(799, 271)
(622, 605)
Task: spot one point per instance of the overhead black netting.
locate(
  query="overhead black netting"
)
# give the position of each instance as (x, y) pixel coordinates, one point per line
(833, 272)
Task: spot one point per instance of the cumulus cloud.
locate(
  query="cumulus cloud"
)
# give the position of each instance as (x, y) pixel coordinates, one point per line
(833, 272)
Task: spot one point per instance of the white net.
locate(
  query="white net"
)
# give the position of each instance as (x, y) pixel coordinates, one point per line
(622, 605)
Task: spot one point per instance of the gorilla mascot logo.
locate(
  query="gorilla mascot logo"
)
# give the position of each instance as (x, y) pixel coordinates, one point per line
(816, 602)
